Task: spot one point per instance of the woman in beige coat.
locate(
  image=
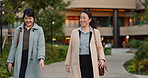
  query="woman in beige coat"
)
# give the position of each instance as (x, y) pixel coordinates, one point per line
(82, 59)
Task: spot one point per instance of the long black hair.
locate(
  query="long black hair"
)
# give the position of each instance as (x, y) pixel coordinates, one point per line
(92, 22)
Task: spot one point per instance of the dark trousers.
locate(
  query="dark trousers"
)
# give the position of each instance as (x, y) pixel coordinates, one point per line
(24, 61)
(86, 66)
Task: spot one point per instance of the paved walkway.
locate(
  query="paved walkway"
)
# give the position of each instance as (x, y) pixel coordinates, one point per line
(114, 62)
(115, 66)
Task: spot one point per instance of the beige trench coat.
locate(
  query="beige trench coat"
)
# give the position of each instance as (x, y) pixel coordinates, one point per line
(72, 58)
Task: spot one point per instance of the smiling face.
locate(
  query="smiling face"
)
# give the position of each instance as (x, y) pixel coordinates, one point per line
(28, 20)
(84, 20)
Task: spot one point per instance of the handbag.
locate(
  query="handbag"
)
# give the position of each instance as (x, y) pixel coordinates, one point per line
(101, 70)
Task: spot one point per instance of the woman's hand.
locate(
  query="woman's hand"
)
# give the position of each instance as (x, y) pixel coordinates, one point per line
(67, 68)
(42, 64)
(10, 67)
(101, 63)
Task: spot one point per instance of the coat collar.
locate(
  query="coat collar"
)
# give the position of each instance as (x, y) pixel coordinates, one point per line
(35, 26)
(80, 29)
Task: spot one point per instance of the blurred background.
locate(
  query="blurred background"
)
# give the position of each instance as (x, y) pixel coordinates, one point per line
(123, 25)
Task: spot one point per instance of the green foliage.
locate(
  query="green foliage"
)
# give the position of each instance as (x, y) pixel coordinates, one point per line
(144, 3)
(3, 65)
(47, 12)
(56, 54)
(142, 52)
(134, 43)
(143, 16)
(146, 39)
(130, 65)
(107, 51)
(139, 64)
(10, 9)
(144, 67)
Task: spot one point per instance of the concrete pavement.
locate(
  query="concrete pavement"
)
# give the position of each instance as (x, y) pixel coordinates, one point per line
(55, 70)
(114, 62)
(115, 66)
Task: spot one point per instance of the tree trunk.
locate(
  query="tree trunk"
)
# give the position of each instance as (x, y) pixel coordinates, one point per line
(9, 34)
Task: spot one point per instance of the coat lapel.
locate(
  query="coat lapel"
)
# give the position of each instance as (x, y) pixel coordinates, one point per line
(94, 56)
(31, 41)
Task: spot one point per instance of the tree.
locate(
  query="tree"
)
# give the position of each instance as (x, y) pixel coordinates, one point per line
(10, 10)
(44, 10)
(48, 11)
(143, 15)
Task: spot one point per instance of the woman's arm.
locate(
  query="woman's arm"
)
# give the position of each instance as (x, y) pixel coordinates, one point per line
(41, 45)
(41, 48)
(100, 47)
(69, 53)
(11, 55)
(68, 57)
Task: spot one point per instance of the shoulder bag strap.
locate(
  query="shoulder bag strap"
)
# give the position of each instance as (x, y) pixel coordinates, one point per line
(95, 42)
(18, 37)
(97, 47)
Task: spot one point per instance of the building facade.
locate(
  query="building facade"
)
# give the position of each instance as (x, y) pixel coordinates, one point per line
(113, 19)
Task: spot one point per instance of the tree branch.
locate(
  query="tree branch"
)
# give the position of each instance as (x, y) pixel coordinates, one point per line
(17, 6)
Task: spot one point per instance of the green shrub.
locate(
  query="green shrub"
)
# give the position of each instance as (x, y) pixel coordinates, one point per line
(131, 68)
(107, 51)
(142, 52)
(56, 54)
(139, 64)
(146, 39)
(146, 66)
(130, 65)
(134, 43)
(4, 73)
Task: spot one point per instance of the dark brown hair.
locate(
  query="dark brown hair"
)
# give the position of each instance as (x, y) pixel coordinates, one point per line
(92, 23)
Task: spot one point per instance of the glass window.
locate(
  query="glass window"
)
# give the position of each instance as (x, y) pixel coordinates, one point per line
(120, 21)
(72, 21)
(107, 21)
(103, 21)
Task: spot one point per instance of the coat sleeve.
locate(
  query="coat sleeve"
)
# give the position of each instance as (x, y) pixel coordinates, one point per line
(12, 52)
(41, 44)
(69, 53)
(100, 47)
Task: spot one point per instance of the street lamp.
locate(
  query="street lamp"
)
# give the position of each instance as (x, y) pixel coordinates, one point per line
(1, 6)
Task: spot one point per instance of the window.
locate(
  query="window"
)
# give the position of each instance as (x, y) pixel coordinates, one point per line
(103, 21)
(107, 21)
(72, 21)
